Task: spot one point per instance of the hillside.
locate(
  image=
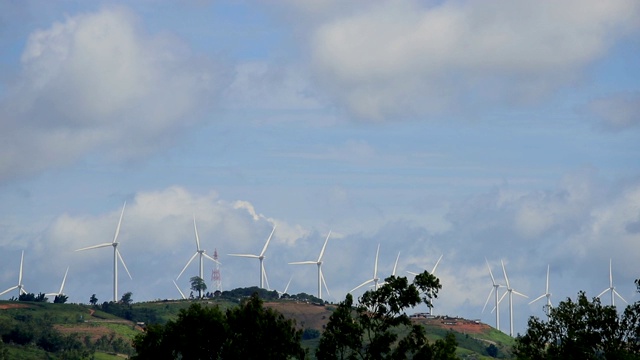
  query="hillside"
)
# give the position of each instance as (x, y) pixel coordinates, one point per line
(104, 333)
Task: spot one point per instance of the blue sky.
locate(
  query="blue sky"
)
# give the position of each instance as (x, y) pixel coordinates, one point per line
(499, 130)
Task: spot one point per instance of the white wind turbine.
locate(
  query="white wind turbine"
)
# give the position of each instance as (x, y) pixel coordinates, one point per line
(116, 256)
(20, 287)
(546, 294)
(375, 278)
(64, 279)
(263, 274)
(510, 291)
(611, 288)
(433, 271)
(493, 289)
(180, 291)
(200, 252)
(318, 262)
(395, 267)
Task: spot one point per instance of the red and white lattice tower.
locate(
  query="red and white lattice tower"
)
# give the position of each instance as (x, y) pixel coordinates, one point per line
(215, 273)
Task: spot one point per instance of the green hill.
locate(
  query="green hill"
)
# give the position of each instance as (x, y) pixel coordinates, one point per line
(35, 330)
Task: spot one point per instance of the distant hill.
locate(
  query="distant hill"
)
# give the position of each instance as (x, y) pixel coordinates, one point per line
(105, 333)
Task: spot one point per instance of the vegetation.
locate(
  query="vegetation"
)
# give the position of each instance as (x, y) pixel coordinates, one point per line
(370, 329)
(248, 331)
(583, 329)
(198, 284)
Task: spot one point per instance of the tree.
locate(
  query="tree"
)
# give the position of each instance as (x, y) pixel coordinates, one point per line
(582, 330)
(198, 284)
(93, 300)
(248, 331)
(60, 299)
(126, 298)
(370, 329)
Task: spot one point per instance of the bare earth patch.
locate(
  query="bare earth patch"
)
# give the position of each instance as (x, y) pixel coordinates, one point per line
(306, 315)
(12, 306)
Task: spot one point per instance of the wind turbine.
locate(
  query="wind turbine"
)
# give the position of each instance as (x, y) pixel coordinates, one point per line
(59, 293)
(395, 267)
(20, 287)
(433, 271)
(280, 293)
(180, 291)
(200, 252)
(319, 264)
(493, 289)
(263, 274)
(375, 278)
(546, 294)
(610, 288)
(116, 256)
(510, 291)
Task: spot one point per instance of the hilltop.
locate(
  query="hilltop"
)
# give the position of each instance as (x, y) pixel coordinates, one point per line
(105, 333)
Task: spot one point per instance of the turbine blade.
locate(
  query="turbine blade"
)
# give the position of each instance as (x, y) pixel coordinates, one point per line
(493, 280)
(303, 262)
(323, 247)
(63, 280)
(547, 291)
(180, 291)
(395, 266)
(488, 297)
(325, 283)
(195, 228)
(504, 271)
(264, 249)
(123, 264)
(96, 246)
(51, 294)
(9, 289)
(538, 298)
(23, 291)
(188, 263)
(375, 265)
(610, 275)
(436, 265)
(210, 258)
(361, 285)
(502, 297)
(21, 261)
(115, 237)
(603, 291)
(287, 287)
(412, 273)
(245, 255)
(620, 296)
(264, 273)
(520, 294)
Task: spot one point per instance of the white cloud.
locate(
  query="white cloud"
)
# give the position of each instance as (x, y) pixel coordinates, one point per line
(616, 112)
(98, 83)
(401, 58)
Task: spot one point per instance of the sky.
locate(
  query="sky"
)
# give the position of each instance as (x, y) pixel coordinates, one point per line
(485, 132)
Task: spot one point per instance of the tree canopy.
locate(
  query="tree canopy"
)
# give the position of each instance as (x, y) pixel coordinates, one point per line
(583, 329)
(248, 331)
(369, 330)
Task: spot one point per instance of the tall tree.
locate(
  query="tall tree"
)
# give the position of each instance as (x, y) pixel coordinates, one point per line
(93, 300)
(369, 330)
(583, 329)
(198, 284)
(126, 298)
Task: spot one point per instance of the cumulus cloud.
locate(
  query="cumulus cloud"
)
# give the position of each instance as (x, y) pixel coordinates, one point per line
(395, 59)
(98, 83)
(616, 112)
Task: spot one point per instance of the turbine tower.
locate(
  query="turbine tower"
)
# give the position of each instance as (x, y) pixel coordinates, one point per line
(200, 252)
(510, 291)
(375, 278)
(611, 288)
(263, 274)
(546, 294)
(64, 279)
(116, 256)
(493, 289)
(319, 264)
(433, 271)
(20, 287)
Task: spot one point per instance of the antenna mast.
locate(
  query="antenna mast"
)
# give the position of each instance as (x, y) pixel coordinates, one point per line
(215, 273)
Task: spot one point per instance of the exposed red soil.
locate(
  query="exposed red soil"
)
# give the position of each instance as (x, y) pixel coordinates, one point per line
(12, 306)
(460, 325)
(306, 315)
